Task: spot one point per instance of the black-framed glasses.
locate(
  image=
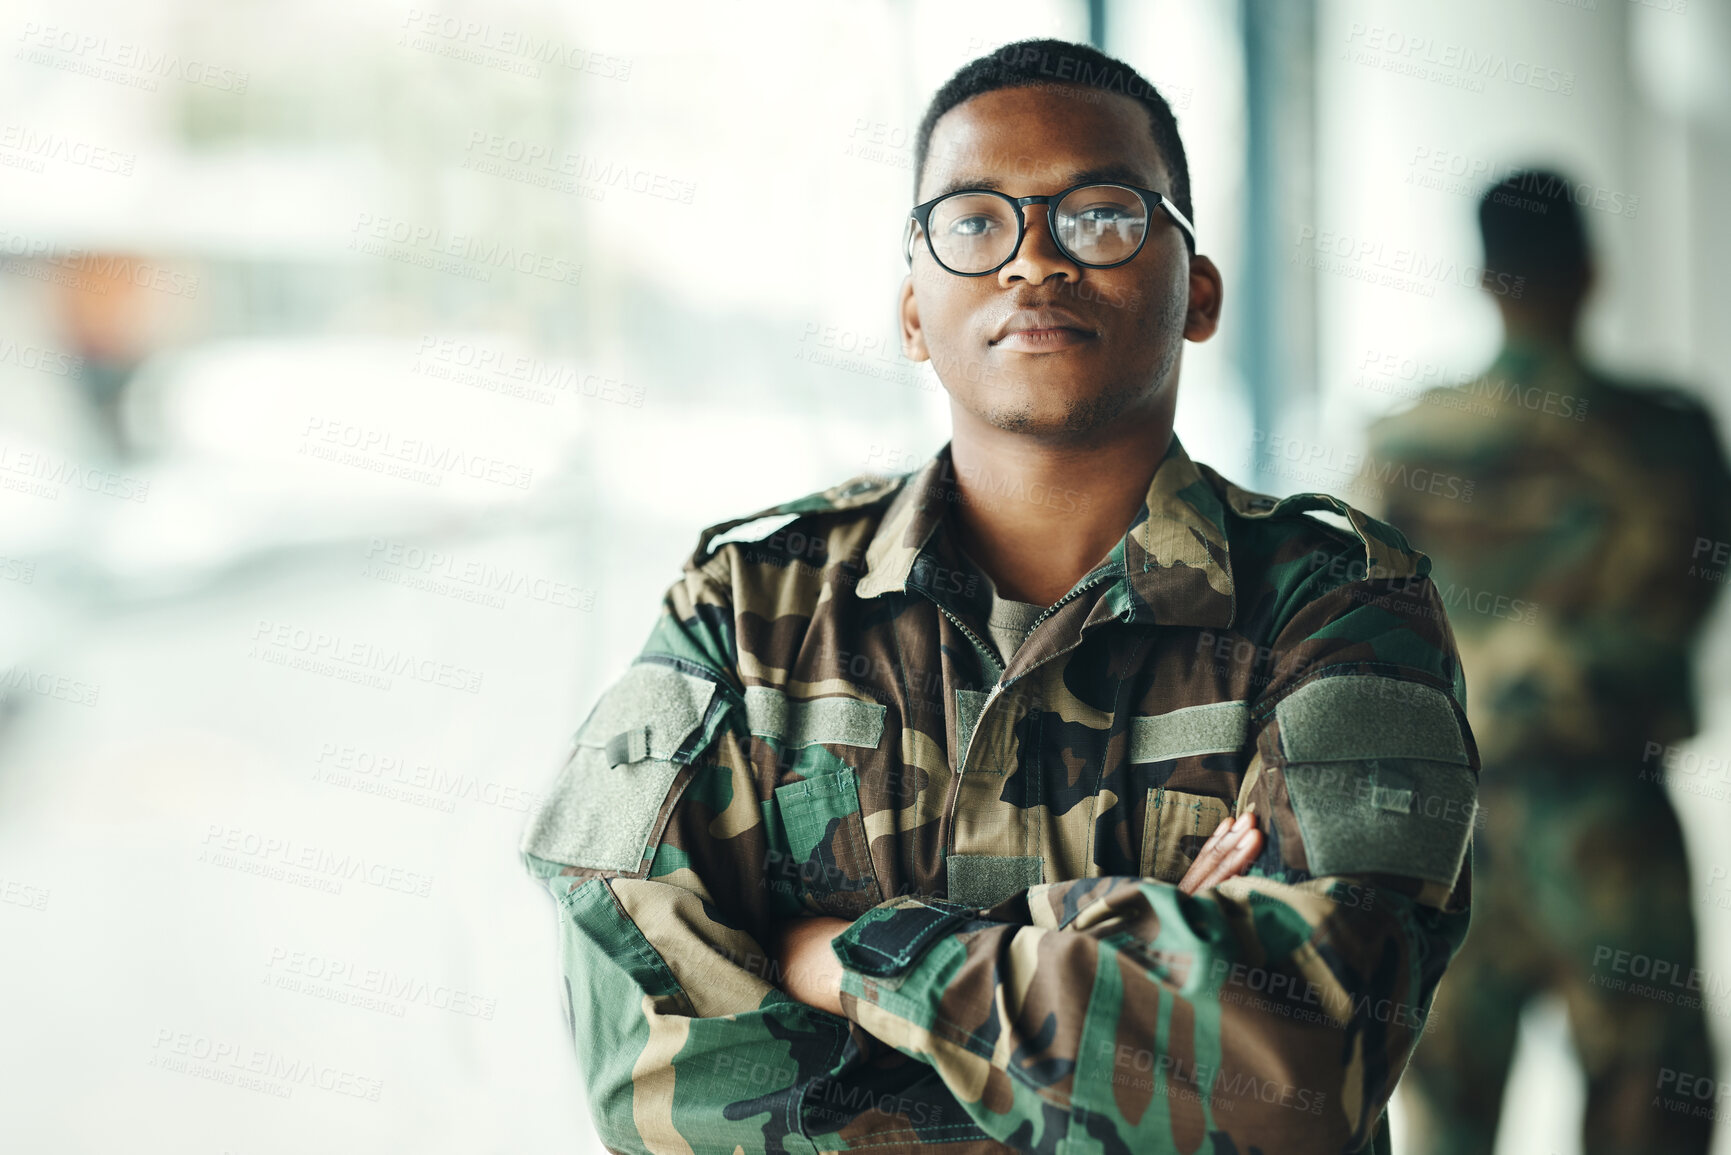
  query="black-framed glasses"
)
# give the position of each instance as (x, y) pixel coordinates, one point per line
(1100, 224)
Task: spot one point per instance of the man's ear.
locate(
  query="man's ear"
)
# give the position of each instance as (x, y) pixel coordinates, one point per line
(913, 337)
(1202, 315)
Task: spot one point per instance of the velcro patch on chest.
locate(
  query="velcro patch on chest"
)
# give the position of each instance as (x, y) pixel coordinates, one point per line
(792, 723)
(1379, 777)
(984, 880)
(602, 808)
(1211, 728)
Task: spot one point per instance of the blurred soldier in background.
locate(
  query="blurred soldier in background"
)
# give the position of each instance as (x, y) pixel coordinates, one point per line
(1577, 582)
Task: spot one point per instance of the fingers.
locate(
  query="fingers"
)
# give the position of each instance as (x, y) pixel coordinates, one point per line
(1204, 860)
(1237, 860)
(1228, 852)
(1211, 849)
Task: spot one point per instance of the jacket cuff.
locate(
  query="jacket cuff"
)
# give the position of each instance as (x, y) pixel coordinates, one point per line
(889, 939)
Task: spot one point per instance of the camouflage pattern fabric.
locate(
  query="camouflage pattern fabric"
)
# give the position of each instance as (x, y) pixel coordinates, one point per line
(1581, 570)
(818, 725)
(1577, 580)
(1580, 893)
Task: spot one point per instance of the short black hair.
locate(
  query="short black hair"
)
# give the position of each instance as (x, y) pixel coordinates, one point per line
(1532, 228)
(1038, 63)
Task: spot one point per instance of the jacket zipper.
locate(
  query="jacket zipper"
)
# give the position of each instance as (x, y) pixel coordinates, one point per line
(997, 688)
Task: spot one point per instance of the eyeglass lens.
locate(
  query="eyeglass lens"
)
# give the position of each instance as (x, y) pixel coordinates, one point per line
(1099, 224)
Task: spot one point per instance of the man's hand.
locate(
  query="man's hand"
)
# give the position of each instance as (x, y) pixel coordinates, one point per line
(810, 972)
(1226, 854)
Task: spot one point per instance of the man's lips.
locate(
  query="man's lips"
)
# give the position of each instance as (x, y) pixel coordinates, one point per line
(1043, 340)
(1040, 330)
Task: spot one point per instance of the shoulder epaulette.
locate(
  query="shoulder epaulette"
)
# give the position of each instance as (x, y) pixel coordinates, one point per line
(1387, 553)
(855, 493)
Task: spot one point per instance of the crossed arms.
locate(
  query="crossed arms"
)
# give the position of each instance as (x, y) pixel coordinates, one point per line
(1274, 1009)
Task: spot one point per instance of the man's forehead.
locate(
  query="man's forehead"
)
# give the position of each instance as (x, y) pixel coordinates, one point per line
(1011, 139)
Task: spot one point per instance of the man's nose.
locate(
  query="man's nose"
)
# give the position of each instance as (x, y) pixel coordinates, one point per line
(1039, 257)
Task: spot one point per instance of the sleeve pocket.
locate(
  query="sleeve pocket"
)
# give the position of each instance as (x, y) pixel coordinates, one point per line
(1388, 816)
(1379, 775)
(602, 810)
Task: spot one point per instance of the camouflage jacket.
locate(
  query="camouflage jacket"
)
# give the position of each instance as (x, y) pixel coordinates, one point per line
(1578, 576)
(818, 725)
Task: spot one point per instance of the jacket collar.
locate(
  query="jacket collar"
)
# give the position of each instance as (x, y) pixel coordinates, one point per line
(1172, 566)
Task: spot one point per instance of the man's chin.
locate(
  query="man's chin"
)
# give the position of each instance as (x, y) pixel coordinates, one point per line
(1038, 413)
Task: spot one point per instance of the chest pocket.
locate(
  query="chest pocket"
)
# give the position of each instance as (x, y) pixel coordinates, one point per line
(1177, 826)
(1177, 822)
(826, 862)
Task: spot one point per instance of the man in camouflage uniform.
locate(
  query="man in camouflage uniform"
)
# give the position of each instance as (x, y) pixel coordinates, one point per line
(1577, 578)
(1056, 796)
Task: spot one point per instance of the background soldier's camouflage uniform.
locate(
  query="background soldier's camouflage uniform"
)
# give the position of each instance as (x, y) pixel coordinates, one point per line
(1576, 582)
(818, 724)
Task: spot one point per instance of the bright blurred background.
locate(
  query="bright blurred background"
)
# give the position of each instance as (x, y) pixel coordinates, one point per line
(366, 371)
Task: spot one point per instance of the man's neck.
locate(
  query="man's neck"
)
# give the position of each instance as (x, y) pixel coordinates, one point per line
(1535, 325)
(1036, 514)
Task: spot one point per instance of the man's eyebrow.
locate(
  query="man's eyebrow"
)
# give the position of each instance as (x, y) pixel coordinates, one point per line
(1118, 173)
(960, 183)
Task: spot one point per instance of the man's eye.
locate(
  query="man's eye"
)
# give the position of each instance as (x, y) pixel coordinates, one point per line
(1104, 215)
(975, 226)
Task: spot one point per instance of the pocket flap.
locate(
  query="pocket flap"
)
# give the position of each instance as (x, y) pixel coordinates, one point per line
(649, 712)
(1345, 717)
